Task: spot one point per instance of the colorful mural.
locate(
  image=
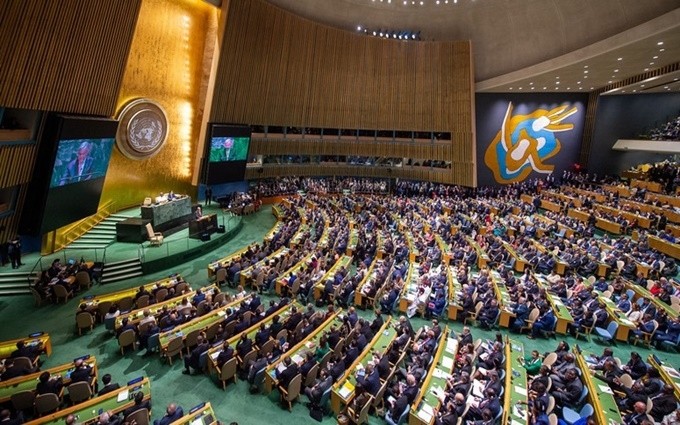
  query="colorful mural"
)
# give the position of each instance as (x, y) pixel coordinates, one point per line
(525, 142)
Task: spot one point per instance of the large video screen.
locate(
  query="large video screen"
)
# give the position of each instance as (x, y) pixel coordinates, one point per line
(75, 152)
(229, 149)
(227, 153)
(80, 160)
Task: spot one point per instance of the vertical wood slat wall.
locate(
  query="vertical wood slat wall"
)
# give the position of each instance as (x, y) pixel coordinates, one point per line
(15, 170)
(66, 55)
(279, 69)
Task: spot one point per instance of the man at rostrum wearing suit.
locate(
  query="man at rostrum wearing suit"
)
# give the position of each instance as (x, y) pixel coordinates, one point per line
(80, 168)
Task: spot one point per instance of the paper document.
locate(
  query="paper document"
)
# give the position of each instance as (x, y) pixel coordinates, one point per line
(520, 390)
(447, 363)
(123, 396)
(605, 389)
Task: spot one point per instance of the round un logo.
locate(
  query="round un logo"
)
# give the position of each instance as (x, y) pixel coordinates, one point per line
(142, 129)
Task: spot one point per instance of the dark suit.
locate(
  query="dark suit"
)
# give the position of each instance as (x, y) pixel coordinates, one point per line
(261, 337)
(108, 388)
(224, 356)
(371, 382)
(52, 386)
(193, 359)
(82, 374)
(73, 174)
(244, 347)
(167, 420)
(663, 405)
(143, 405)
(287, 375)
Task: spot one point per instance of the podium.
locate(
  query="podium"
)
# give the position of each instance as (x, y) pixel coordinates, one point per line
(203, 227)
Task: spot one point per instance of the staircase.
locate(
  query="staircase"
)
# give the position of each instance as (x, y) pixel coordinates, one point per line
(100, 236)
(121, 270)
(15, 283)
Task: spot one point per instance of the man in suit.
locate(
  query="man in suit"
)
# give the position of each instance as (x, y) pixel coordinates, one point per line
(30, 351)
(225, 355)
(663, 403)
(140, 403)
(286, 375)
(569, 394)
(192, 360)
(377, 323)
(108, 385)
(172, 413)
(6, 418)
(262, 335)
(244, 346)
(638, 416)
(46, 385)
(308, 364)
(80, 168)
(370, 380)
(82, 372)
(315, 392)
(544, 323)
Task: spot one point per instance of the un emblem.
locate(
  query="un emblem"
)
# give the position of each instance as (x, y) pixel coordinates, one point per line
(142, 129)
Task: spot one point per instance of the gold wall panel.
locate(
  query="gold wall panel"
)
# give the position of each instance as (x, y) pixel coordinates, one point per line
(166, 64)
(276, 68)
(66, 55)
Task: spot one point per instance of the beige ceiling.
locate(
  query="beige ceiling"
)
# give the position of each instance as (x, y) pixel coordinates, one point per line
(516, 35)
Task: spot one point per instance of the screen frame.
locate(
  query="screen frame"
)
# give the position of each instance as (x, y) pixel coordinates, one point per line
(218, 172)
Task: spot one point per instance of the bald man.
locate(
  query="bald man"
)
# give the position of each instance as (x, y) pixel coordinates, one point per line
(172, 413)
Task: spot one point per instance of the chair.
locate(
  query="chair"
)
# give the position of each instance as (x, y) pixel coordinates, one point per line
(647, 336)
(153, 343)
(362, 418)
(175, 346)
(228, 372)
(550, 359)
(126, 339)
(607, 334)
(267, 347)
(110, 324)
(283, 333)
(552, 419)
(142, 301)
(570, 416)
(103, 308)
(147, 202)
(191, 340)
(155, 238)
(626, 380)
(288, 395)
(181, 287)
(586, 331)
(311, 376)
(24, 363)
(79, 392)
(400, 420)
(46, 403)
(161, 295)
(221, 276)
(533, 316)
(671, 345)
(83, 279)
(36, 297)
(23, 400)
(84, 320)
(551, 405)
(473, 316)
(211, 332)
(60, 292)
(138, 417)
(125, 304)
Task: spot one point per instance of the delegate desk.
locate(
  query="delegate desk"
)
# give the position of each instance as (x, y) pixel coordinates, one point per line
(87, 412)
(562, 313)
(29, 382)
(32, 340)
(200, 323)
(202, 414)
(216, 349)
(135, 316)
(455, 290)
(93, 302)
(668, 248)
(515, 397)
(600, 394)
(296, 353)
(409, 292)
(224, 262)
(168, 214)
(625, 325)
(343, 389)
(641, 292)
(669, 374)
(422, 409)
(206, 224)
(344, 261)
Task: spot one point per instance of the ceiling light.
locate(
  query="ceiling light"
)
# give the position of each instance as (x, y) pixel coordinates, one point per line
(661, 50)
(544, 88)
(655, 57)
(510, 88)
(660, 43)
(568, 88)
(623, 91)
(580, 88)
(651, 63)
(532, 88)
(609, 82)
(359, 28)
(557, 78)
(665, 87)
(634, 91)
(531, 84)
(578, 82)
(619, 59)
(616, 70)
(585, 76)
(642, 85)
(557, 82)
(585, 72)
(585, 66)
(592, 88)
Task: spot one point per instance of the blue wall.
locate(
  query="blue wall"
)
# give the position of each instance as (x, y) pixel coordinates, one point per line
(491, 109)
(627, 117)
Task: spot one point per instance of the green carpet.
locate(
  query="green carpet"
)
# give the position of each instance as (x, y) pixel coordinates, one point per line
(20, 317)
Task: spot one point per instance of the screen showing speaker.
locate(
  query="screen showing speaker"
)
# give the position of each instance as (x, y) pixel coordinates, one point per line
(77, 151)
(227, 153)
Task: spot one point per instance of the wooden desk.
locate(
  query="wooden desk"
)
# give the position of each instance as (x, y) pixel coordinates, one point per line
(203, 412)
(641, 292)
(309, 343)
(344, 261)
(421, 412)
(282, 280)
(247, 275)
(88, 411)
(578, 215)
(625, 325)
(599, 393)
(343, 390)
(515, 395)
(371, 274)
(668, 373)
(410, 290)
(115, 297)
(455, 289)
(135, 316)
(199, 323)
(8, 347)
(29, 382)
(672, 249)
(608, 226)
(562, 313)
(224, 262)
(665, 199)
